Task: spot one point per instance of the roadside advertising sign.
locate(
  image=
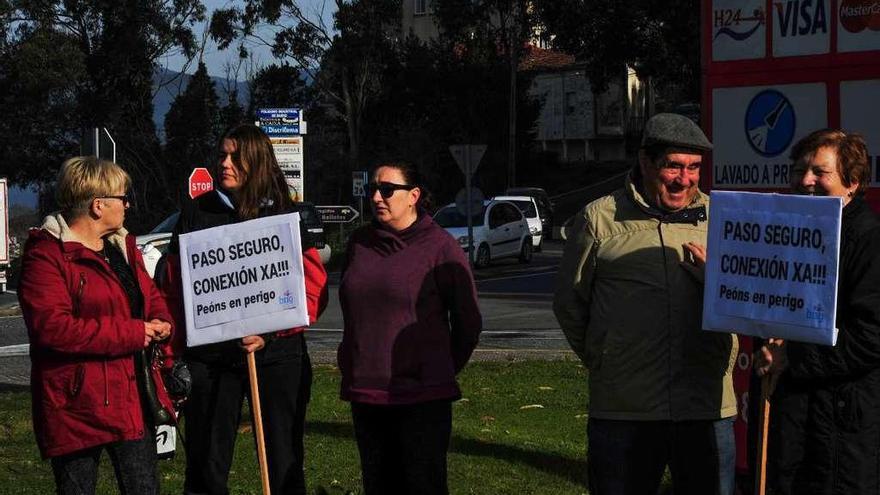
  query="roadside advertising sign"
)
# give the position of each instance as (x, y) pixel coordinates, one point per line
(773, 268)
(200, 182)
(289, 154)
(776, 71)
(751, 148)
(243, 279)
(278, 115)
(284, 126)
(280, 121)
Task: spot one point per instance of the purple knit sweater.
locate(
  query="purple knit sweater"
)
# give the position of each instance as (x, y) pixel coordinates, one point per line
(411, 316)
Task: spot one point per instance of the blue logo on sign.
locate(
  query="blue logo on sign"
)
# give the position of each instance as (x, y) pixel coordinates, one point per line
(285, 298)
(770, 123)
(816, 313)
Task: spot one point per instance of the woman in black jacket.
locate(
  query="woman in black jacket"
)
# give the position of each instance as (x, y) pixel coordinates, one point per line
(825, 416)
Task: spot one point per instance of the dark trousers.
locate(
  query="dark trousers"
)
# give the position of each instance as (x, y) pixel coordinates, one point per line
(134, 463)
(629, 457)
(403, 448)
(213, 412)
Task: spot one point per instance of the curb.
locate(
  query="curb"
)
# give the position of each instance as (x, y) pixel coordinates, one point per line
(13, 310)
(479, 355)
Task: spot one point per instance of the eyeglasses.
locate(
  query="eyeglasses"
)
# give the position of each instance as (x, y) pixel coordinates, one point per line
(124, 198)
(669, 166)
(386, 189)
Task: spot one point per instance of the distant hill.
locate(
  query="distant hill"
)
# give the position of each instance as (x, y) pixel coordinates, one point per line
(173, 83)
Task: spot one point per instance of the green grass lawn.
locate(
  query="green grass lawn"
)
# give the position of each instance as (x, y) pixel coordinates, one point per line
(519, 428)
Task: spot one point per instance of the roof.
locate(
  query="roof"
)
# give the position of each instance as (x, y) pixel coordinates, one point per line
(535, 58)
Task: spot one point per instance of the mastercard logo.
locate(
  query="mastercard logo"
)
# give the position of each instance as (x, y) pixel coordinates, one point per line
(857, 15)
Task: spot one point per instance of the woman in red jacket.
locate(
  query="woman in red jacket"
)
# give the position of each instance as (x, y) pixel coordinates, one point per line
(90, 309)
(250, 185)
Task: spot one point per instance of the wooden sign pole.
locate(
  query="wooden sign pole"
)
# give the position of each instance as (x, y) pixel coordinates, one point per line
(258, 422)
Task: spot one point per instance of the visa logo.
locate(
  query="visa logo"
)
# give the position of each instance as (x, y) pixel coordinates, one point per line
(801, 17)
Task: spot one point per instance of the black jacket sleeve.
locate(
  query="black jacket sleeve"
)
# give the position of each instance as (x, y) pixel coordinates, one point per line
(858, 317)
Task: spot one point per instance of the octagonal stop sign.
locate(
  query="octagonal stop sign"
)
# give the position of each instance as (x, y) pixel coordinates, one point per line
(200, 182)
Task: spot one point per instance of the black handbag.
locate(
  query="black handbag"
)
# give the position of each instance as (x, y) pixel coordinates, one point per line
(152, 406)
(178, 381)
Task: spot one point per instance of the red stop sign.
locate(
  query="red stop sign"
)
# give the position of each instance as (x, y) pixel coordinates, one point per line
(200, 182)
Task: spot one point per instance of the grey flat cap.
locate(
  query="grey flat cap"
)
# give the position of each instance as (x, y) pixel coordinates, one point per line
(675, 131)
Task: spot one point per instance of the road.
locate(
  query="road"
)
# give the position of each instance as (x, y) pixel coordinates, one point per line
(515, 300)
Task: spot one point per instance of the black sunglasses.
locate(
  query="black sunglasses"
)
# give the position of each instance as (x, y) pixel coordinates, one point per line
(386, 189)
(124, 198)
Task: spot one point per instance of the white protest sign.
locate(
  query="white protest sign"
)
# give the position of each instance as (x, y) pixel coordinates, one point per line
(243, 279)
(772, 266)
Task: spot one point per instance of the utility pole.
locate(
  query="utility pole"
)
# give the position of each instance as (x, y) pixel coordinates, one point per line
(513, 48)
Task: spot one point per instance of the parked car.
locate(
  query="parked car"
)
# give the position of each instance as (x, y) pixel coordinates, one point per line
(500, 230)
(545, 206)
(155, 244)
(529, 208)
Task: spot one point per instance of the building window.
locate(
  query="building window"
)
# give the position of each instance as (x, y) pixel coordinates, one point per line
(421, 7)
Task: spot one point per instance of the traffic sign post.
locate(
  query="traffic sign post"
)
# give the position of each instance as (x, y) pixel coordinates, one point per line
(468, 157)
(98, 141)
(358, 183)
(4, 235)
(200, 182)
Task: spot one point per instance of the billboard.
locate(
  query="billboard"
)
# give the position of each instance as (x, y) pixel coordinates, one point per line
(774, 71)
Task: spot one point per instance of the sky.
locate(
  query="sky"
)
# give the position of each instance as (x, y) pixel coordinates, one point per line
(217, 60)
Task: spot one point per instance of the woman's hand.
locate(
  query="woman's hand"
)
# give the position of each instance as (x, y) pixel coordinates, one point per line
(771, 358)
(252, 343)
(156, 331)
(164, 329)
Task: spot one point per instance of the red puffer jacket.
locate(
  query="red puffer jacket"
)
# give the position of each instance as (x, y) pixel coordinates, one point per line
(82, 341)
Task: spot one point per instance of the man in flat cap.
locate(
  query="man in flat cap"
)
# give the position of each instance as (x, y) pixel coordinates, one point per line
(629, 301)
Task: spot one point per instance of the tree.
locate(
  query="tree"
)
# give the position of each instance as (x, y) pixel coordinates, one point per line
(101, 57)
(344, 60)
(192, 127)
(232, 113)
(658, 39)
(40, 125)
(279, 86)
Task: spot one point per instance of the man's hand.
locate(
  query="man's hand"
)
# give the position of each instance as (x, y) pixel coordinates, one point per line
(694, 260)
(252, 343)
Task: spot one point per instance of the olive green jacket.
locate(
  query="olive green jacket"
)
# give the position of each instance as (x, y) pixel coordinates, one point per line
(633, 314)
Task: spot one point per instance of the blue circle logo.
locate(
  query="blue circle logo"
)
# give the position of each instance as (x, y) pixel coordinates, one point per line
(770, 123)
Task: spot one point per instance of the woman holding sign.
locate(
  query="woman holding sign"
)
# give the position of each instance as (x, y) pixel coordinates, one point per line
(411, 323)
(91, 309)
(825, 416)
(250, 185)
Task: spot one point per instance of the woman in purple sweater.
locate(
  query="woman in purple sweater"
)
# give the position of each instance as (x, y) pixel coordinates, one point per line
(411, 324)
